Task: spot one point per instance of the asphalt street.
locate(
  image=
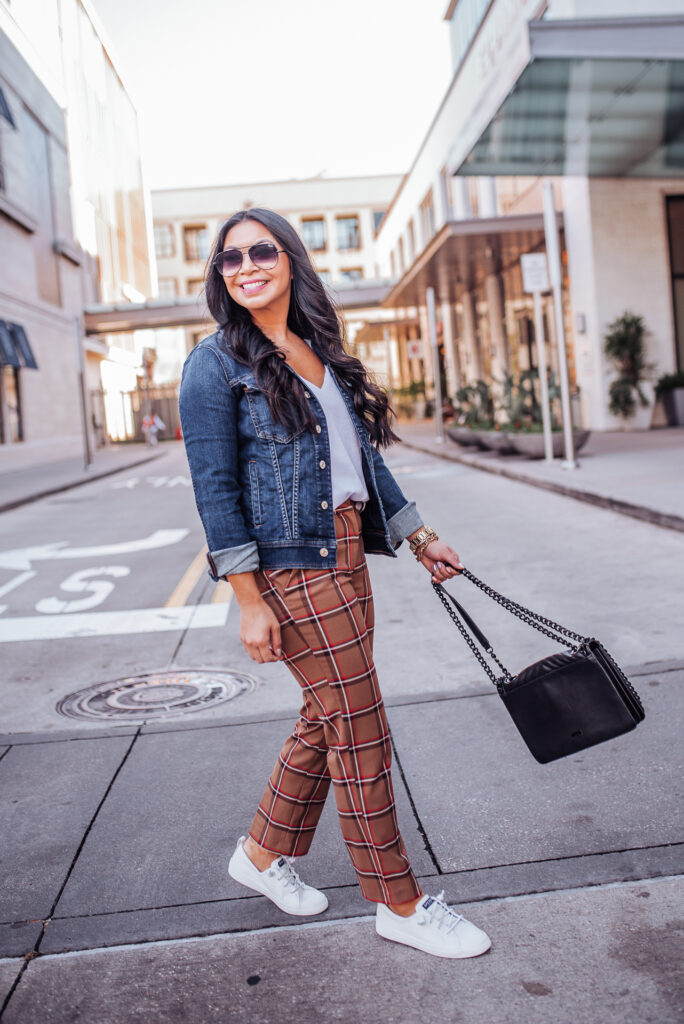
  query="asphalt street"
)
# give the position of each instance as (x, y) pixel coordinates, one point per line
(137, 736)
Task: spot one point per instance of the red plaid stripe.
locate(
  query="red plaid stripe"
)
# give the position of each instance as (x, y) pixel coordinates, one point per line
(341, 736)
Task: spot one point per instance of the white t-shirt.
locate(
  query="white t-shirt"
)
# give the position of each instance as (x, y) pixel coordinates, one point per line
(346, 466)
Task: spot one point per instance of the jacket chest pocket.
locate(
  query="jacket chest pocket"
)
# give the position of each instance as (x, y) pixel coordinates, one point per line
(264, 424)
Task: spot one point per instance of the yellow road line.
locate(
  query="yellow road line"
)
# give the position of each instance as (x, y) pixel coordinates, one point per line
(188, 580)
(223, 593)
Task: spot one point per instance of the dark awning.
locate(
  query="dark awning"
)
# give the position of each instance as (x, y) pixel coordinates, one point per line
(598, 97)
(8, 353)
(5, 110)
(14, 347)
(23, 349)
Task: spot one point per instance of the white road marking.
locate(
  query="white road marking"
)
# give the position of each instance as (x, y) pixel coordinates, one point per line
(82, 582)
(21, 558)
(135, 620)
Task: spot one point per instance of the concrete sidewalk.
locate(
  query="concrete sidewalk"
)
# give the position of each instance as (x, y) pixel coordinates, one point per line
(117, 906)
(21, 485)
(637, 473)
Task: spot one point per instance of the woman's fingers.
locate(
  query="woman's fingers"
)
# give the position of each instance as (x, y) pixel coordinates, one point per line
(276, 645)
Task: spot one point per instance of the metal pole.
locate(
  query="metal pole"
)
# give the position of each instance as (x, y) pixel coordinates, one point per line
(432, 330)
(87, 457)
(388, 357)
(555, 274)
(543, 383)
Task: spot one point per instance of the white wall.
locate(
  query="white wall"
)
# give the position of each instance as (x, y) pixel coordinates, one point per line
(618, 260)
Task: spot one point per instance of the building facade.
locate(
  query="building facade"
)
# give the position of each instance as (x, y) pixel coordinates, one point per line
(588, 97)
(62, 53)
(338, 219)
(41, 270)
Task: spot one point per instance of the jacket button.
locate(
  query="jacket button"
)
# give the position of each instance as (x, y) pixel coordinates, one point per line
(308, 394)
(322, 464)
(323, 552)
(324, 504)
(318, 428)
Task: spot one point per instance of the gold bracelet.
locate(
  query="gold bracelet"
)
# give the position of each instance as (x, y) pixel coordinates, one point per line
(423, 533)
(425, 536)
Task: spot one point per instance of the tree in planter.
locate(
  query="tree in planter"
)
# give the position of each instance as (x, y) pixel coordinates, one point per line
(474, 405)
(519, 400)
(625, 345)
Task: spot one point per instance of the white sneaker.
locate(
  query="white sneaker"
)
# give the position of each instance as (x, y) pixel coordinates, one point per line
(433, 927)
(280, 883)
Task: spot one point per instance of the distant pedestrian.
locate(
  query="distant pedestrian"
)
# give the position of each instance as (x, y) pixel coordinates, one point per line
(282, 428)
(151, 425)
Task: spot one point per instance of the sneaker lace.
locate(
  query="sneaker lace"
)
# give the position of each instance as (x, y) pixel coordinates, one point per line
(286, 874)
(441, 915)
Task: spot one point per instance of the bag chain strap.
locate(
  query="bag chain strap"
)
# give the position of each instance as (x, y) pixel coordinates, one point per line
(471, 643)
(531, 618)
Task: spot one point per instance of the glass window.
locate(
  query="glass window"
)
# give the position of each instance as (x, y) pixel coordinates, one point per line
(324, 276)
(168, 287)
(194, 285)
(37, 149)
(351, 273)
(411, 242)
(427, 210)
(378, 217)
(195, 242)
(164, 242)
(314, 234)
(465, 21)
(348, 232)
(11, 428)
(675, 220)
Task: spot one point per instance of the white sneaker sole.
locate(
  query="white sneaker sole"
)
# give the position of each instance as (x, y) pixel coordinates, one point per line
(425, 947)
(247, 879)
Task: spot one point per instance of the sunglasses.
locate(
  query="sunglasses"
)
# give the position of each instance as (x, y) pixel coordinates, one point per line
(262, 254)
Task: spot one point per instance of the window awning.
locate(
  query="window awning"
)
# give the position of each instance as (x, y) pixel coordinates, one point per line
(463, 252)
(599, 97)
(15, 349)
(5, 110)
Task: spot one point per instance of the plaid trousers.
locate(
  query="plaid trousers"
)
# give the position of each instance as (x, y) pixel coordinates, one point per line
(326, 620)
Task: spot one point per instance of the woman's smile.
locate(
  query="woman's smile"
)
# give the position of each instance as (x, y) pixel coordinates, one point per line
(252, 287)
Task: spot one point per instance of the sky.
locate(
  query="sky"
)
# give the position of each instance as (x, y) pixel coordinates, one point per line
(234, 91)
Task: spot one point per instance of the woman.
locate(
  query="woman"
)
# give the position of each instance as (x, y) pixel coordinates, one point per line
(282, 429)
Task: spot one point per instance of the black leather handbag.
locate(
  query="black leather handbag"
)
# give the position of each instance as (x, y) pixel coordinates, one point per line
(564, 702)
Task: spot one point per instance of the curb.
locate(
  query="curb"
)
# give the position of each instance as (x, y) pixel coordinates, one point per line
(626, 508)
(17, 503)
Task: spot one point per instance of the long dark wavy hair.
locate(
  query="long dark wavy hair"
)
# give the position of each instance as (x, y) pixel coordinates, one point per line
(312, 316)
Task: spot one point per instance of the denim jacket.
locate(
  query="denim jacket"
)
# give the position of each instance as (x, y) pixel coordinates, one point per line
(264, 492)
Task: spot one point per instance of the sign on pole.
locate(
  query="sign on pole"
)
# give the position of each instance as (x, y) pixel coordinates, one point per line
(535, 272)
(536, 280)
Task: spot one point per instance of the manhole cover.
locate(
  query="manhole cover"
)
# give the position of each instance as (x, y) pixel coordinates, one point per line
(155, 695)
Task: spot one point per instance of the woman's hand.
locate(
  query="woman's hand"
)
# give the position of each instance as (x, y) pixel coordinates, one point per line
(442, 561)
(260, 631)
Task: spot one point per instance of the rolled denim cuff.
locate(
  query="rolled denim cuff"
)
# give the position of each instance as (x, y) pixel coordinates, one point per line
(404, 522)
(228, 561)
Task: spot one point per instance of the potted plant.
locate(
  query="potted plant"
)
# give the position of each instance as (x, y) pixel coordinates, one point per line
(474, 413)
(625, 346)
(416, 391)
(670, 387)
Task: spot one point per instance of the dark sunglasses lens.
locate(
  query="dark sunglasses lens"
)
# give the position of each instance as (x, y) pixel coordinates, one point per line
(229, 262)
(264, 255)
